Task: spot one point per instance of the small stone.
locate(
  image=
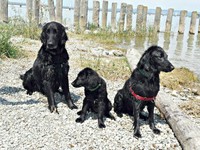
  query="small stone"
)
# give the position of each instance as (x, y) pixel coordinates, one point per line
(195, 91)
(174, 93)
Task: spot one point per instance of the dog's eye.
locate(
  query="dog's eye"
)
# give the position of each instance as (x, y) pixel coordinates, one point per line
(54, 31)
(48, 31)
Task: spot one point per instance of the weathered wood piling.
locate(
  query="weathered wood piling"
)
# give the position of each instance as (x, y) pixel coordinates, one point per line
(121, 18)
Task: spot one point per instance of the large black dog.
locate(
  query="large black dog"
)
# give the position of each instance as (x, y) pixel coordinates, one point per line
(96, 99)
(142, 87)
(50, 69)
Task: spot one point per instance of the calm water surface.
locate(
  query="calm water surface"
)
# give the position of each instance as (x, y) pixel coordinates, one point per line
(182, 50)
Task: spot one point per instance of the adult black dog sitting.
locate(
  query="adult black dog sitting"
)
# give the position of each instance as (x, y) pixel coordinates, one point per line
(50, 69)
(96, 99)
(142, 87)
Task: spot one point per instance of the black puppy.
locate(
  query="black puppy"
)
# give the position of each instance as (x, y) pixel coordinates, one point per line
(96, 99)
(142, 87)
(50, 69)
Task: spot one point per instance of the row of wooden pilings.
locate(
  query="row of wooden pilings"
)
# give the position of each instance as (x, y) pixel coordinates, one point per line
(126, 14)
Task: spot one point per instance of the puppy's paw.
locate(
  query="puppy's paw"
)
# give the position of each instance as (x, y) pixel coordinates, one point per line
(79, 120)
(137, 135)
(101, 125)
(73, 107)
(156, 131)
(79, 112)
(53, 108)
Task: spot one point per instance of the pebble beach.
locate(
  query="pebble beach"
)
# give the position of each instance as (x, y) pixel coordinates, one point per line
(26, 122)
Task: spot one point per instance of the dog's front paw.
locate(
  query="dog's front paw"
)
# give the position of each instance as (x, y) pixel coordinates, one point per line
(137, 134)
(120, 115)
(101, 125)
(79, 112)
(29, 92)
(156, 131)
(79, 120)
(53, 108)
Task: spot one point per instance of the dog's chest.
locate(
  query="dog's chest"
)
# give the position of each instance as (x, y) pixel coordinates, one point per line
(151, 88)
(146, 88)
(93, 102)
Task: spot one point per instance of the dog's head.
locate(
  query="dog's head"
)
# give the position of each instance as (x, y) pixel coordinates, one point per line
(155, 59)
(53, 36)
(87, 78)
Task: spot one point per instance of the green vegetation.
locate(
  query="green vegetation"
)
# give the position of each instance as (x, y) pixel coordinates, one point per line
(112, 68)
(16, 27)
(27, 30)
(7, 49)
(110, 38)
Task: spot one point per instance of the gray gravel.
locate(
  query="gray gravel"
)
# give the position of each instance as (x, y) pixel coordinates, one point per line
(26, 123)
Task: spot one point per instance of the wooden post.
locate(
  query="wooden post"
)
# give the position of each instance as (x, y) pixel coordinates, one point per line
(4, 11)
(113, 16)
(36, 11)
(104, 14)
(145, 9)
(83, 14)
(59, 5)
(51, 9)
(193, 22)
(168, 24)
(157, 19)
(139, 20)
(29, 10)
(129, 17)
(76, 15)
(122, 16)
(96, 9)
(181, 28)
(199, 26)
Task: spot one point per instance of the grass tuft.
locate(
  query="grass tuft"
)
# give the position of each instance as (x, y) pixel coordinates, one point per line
(7, 49)
(178, 79)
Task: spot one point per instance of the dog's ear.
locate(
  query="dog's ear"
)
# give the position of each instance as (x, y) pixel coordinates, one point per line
(43, 35)
(64, 37)
(144, 61)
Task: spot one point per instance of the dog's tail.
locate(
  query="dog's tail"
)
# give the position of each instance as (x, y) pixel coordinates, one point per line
(22, 76)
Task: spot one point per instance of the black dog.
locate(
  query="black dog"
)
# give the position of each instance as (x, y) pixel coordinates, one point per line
(50, 69)
(141, 88)
(96, 99)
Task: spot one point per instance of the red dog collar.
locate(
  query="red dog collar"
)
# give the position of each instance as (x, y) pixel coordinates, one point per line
(140, 97)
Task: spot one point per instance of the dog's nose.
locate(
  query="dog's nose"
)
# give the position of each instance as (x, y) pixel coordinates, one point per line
(50, 44)
(171, 67)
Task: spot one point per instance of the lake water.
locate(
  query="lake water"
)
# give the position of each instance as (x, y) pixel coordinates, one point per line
(182, 50)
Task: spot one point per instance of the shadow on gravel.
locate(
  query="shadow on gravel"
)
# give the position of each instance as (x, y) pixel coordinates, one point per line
(28, 102)
(75, 97)
(10, 90)
(59, 97)
(157, 119)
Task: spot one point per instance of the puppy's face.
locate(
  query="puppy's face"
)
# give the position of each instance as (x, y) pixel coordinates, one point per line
(53, 36)
(159, 60)
(87, 78)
